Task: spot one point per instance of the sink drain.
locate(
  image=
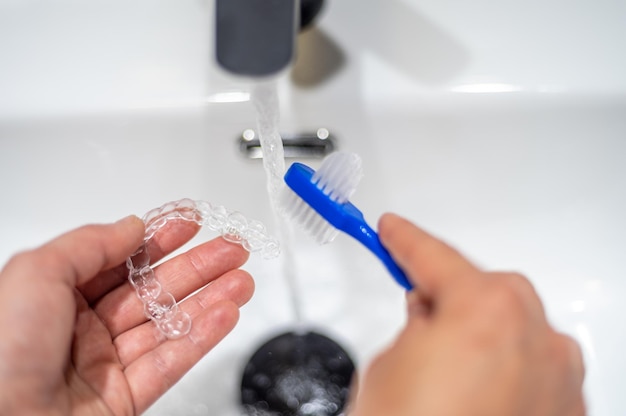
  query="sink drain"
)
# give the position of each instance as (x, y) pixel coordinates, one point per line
(297, 374)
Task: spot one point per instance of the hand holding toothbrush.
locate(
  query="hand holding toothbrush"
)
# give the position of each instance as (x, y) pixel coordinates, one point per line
(476, 342)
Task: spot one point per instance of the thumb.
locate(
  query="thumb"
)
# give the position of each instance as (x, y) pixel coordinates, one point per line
(93, 248)
(432, 265)
(77, 256)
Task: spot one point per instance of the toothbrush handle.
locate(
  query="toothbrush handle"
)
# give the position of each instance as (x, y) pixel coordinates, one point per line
(362, 232)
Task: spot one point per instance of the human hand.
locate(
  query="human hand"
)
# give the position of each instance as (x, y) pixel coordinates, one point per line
(74, 337)
(476, 342)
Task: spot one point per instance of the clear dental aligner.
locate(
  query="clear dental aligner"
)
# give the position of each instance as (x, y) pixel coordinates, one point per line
(159, 305)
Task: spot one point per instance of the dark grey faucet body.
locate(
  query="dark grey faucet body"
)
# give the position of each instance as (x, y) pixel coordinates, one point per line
(257, 37)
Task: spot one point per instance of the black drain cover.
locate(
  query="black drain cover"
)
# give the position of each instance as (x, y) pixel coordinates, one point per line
(297, 374)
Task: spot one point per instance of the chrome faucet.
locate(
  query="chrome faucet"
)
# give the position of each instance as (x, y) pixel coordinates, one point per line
(258, 37)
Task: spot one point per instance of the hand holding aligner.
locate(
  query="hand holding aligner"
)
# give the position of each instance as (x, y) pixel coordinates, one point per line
(159, 305)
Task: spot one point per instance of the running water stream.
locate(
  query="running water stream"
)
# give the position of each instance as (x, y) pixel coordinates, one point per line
(298, 372)
(265, 99)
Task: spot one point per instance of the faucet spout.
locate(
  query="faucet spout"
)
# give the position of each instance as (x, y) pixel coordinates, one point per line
(256, 37)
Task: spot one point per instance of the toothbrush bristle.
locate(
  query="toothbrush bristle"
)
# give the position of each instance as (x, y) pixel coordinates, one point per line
(338, 177)
(307, 217)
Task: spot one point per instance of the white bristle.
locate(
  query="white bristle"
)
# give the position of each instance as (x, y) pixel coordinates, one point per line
(338, 176)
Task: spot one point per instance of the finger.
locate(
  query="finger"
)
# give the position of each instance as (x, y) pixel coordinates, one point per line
(575, 359)
(525, 291)
(199, 266)
(568, 358)
(167, 363)
(173, 235)
(181, 275)
(431, 264)
(77, 256)
(74, 258)
(236, 286)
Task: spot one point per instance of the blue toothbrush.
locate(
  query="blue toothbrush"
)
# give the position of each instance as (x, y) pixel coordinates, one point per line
(319, 201)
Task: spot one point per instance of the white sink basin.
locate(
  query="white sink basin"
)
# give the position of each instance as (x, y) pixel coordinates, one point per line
(489, 125)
